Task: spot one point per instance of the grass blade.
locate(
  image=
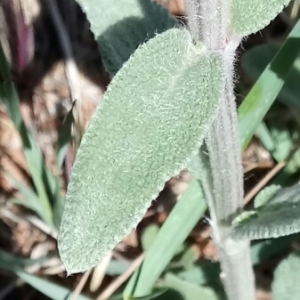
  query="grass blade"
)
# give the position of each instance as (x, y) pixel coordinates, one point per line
(13, 263)
(64, 137)
(174, 231)
(50, 289)
(189, 291)
(29, 198)
(32, 152)
(268, 86)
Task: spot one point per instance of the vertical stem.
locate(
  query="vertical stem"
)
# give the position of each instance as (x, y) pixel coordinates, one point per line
(207, 20)
(208, 23)
(227, 200)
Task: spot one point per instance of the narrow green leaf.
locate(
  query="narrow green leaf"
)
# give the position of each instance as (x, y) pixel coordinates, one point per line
(286, 279)
(171, 235)
(189, 291)
(277, 215)
(32, 153)
(123, 25)
(188, 257)
(158, 294)
(265, 137)
(256, 60)
(150, 123)
(204, 272)
(283, 141)
(268, 86)
(64, 137)
(48, 288)
(13, 263)
(251, 16)
(53, 184)
(4, 68)
(148, 236)
(29, 198)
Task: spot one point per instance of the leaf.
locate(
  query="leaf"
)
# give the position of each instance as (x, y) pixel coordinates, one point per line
(251, 16)
(189, 256)
(64, 137)
(204, 272)
(116, 267)
(150, 123)
(123, 25)
(265, 195)
(50, 289)
(286, 279)
(13, 263)
(275, 217)
(148, 236)
(157, 294)
(255, 60)
(189, 291)
(267, 87)
(282, 139)
(33, 155)
(172, 234)
(265, 137)
(266, 249)
(4, 68)
(32, 152)
(29, 198)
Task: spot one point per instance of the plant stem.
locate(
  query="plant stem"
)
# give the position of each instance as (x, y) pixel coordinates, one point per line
(208, 23)
(227, 200)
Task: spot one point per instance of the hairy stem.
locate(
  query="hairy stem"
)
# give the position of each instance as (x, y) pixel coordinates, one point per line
(208, 23)
(207, 20)
(227, 201)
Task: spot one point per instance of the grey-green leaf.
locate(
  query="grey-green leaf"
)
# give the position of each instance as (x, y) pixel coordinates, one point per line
(150, 123)
(123, 25)
(251, 16)
(264, 196)
(286, 279)
(277, 214)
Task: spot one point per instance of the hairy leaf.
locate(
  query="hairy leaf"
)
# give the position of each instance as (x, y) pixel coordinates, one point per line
(277, 214)
(286, 279)
(251, 16)
(150, 123)
(123, 25)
